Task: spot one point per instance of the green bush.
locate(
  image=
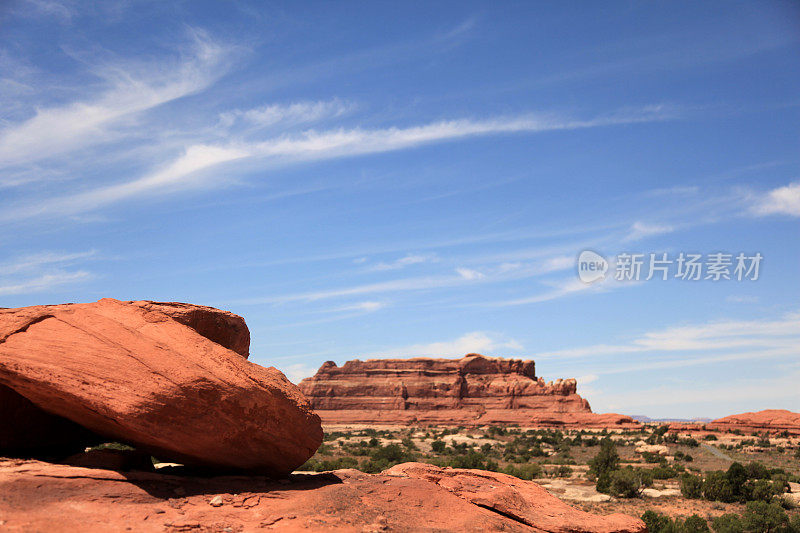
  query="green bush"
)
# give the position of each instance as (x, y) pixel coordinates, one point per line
(659, 523)
(716, 487)
(526, 471)
(665, 472)
(626, 482)
(728, 523)
(438, 446)
(691, 486)
(409, 444)
(606, 460)
(762, 517)
(656, 522)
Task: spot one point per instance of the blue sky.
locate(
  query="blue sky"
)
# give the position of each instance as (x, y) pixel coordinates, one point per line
(403, 179)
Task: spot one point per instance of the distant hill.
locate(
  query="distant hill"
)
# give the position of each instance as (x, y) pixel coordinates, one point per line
(647, 420)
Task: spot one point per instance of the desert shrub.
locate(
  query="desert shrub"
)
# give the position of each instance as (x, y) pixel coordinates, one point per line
(756, 470)
(383, 457)
(660, 523)
(695, 524)
(691, 486)
(626, 482)
(471, 459)
(665, 472)
(716, 487)
(656, 522)
(710, 437)
(650, 457)
(438, 446)
(563, 471)
(591, 441)
(606, 460)
(762, 517)
(495, 431)
(728, 523)
(762, 490)
(526, 471)
(409, 443)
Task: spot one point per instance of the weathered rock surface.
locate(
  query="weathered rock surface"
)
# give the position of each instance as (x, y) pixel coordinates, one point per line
(36, 496)
(769, 420)
(222, 327)
(155, 376)
(473, 390)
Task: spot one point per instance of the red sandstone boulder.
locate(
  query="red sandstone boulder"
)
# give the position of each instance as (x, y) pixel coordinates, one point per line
(473, 390)
(154, 375)
(37, 496)
(769, 420)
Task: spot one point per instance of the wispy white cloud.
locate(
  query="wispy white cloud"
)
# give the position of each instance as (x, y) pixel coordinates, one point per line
(560, 289)
(367, 307)
(721, 335)
(44, 282)
(780, 201)
(287, 114)
(402, 262)
(460, 277)
(470, 274)
(52, 129)
(641, 230)
(42, 271)
(473, 342)
(36, 261)
(132, 90)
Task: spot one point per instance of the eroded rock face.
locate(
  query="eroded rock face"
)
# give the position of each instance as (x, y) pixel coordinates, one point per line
(410, 497)
(223, 327)
(137, 373)
(471, 390)
(769, 420)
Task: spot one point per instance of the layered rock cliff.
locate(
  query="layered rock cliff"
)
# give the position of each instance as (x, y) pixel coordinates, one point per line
(471, 390)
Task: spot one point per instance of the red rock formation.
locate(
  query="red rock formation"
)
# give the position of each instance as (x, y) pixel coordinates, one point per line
(472, 390)
(222, 327)
(411, 497)
(769, 420)
(134, 372)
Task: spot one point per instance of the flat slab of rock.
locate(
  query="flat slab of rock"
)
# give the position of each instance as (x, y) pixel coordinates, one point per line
(768, 420)
(37, 496)
(156, 376)
(525, 501)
